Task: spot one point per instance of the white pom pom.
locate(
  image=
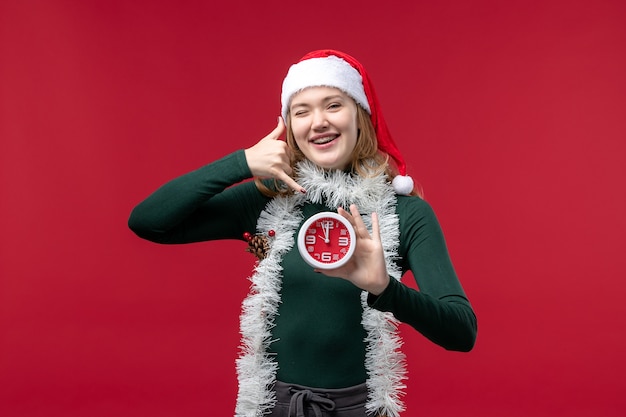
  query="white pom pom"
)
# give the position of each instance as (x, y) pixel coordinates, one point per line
(403, 184)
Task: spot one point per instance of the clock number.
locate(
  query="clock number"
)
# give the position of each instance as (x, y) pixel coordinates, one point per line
(326, 256)
(327, 224)
(343, 241)
(310, 239)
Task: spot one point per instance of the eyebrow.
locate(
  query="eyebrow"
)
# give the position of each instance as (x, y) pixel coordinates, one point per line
(324, 100)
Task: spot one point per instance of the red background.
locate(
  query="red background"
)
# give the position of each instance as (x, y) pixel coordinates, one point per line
(510, 114)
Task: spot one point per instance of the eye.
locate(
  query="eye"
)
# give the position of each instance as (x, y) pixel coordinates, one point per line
(300, 113)
(334, 106)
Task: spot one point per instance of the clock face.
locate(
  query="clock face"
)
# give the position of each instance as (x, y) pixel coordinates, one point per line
(326, 240)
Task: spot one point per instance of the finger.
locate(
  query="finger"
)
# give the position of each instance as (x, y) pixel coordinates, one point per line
(375, 227)
(348, 216)
(278, 130)
(291, 183)
(342, 212)
(359, 224)
(354, 210)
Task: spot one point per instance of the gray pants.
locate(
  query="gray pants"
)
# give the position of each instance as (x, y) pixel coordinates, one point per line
(299, 401)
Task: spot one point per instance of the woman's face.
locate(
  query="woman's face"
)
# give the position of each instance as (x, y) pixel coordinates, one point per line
(324, 125)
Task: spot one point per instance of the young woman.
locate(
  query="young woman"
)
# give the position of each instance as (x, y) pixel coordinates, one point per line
(322, 341)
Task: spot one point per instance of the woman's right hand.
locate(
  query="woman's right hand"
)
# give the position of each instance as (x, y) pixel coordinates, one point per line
(270, 158)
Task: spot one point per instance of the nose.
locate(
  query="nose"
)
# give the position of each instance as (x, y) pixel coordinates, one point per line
(320, 122)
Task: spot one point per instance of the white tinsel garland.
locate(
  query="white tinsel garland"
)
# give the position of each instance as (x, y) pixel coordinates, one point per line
(384, 361)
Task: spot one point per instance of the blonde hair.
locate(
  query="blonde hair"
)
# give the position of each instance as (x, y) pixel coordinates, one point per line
(367, 161)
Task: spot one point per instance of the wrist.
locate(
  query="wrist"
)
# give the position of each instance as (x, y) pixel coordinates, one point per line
(380, 287)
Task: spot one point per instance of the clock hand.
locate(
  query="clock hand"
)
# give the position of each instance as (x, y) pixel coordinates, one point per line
(325, 237)
(326, 240)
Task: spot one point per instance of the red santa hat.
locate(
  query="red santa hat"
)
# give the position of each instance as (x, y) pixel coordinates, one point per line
(336, 69)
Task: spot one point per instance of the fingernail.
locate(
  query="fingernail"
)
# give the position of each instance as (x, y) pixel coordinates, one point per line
(302, 190)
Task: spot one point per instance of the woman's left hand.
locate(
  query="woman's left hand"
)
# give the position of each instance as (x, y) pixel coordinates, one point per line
(366, 269)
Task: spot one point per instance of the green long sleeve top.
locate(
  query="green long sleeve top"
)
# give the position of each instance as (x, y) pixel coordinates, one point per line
(318, 336)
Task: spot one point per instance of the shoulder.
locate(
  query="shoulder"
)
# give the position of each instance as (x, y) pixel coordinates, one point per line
(413, 206)
(416, 215)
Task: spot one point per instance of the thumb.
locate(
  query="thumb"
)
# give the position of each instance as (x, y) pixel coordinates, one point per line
(278, 130)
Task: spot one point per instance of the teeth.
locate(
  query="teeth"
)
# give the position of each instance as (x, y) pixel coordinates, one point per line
(324, 140)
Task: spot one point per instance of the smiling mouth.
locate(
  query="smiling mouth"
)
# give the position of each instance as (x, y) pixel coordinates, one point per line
(322, 140)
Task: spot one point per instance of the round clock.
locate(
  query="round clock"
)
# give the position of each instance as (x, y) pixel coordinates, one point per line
(326, 240)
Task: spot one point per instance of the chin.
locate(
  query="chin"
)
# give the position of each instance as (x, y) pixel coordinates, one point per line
(329, 165)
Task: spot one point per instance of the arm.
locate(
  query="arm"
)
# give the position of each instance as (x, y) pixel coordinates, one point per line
(199, 205)
(440, 310)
